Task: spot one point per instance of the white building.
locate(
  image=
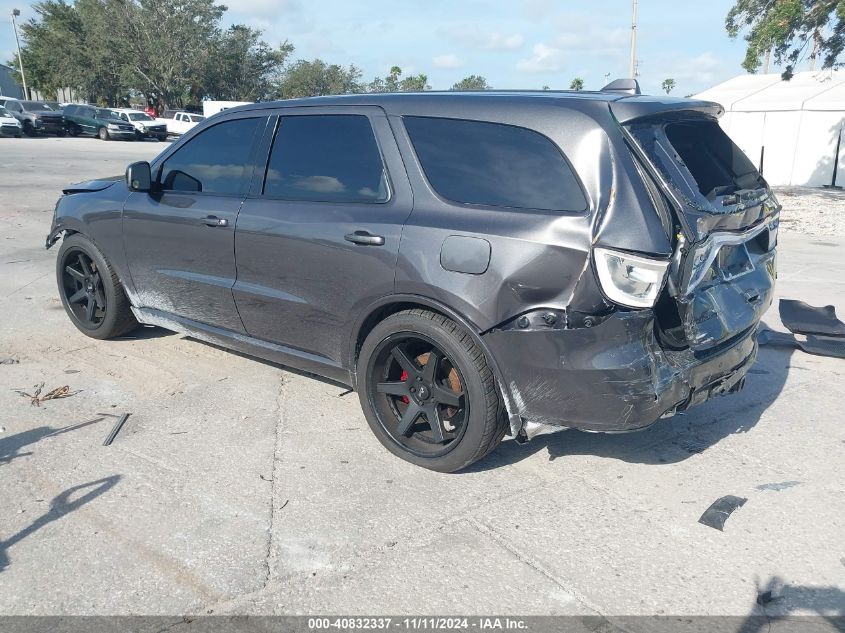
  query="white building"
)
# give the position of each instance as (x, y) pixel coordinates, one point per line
(792, 126)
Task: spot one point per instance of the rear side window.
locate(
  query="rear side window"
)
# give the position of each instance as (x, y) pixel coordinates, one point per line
(326, 158)
(217, 160)
(491, 164)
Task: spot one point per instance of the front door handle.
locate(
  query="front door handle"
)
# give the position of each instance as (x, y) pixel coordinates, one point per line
(364, 238)
(213, 220)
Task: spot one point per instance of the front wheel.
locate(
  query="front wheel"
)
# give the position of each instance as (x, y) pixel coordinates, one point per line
(103, 134)
(91, 292)
(29, 129)
(428, 393)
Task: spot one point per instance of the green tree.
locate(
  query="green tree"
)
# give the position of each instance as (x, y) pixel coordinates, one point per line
(473, 82)
(65, 46)
(313, 78)
(577, 84)
(791, 29)
(395, 83)
(243, 67)
(166, 44)
(668, 85)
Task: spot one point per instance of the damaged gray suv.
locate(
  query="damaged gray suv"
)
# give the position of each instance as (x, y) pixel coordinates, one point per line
(472, 264)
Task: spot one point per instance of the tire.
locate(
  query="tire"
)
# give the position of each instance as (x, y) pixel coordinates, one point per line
(29, 130)
(113, 319)
(61, 133)
(73, 130)
(103, 134)
(472, 426)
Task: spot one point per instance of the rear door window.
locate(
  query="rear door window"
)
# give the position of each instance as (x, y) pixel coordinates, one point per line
(491, 164)
(326, 158)
(218, 160)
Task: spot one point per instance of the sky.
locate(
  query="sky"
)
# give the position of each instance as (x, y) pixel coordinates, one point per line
(512, 43)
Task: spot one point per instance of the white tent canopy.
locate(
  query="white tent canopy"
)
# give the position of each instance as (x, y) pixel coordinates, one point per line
(791, 128)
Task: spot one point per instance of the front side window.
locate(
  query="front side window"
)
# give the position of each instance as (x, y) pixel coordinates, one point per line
(491, 164)
(215, 161)
(326, 158)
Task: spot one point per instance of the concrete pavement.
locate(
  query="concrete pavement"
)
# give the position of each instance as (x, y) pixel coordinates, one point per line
(237, 487)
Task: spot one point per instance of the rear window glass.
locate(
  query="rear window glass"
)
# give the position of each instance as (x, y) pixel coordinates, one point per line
(491, 164)
(718, 166)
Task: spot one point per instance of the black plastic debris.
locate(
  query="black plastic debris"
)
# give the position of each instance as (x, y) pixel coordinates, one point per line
(824, 346)
(818, 345)
(719, 511)
(119, 425)
(801, 318)
(765, 336)
(778, 486)
(9, 361)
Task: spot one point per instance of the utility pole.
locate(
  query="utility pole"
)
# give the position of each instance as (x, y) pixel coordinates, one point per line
(633, 70)
(16, 13)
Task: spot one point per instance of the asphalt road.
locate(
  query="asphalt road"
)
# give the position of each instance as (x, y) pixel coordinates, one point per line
(239, 487)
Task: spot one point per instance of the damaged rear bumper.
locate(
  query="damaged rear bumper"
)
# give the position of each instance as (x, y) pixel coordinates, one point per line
(612, 377)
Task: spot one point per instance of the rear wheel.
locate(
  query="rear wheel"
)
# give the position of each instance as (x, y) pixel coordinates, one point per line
(103, 133)
(428, 393)
(91, 292)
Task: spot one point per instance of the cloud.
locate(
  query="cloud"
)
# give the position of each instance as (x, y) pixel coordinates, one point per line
(545, 59)
(473, 36)
(447, 61)
(320, 184)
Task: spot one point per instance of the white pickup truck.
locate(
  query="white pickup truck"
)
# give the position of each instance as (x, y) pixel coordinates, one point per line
(179, 122)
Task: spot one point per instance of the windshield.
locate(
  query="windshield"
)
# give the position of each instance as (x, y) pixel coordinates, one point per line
(140, 116)
(196, 118)
(5, 113)
(35, 105)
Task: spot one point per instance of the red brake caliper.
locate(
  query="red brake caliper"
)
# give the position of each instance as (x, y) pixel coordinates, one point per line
(403, 378)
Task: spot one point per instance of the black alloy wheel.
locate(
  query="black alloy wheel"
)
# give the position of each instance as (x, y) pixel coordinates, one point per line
(82, 288)
(91, 291)
(428, 392)
(418, 395)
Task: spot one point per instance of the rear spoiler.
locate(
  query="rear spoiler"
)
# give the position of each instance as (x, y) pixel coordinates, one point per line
(629, 109)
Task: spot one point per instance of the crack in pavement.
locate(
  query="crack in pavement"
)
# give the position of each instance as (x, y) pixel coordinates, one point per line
(277, 440)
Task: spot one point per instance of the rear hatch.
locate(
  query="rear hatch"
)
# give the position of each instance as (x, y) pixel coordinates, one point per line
(721, 280)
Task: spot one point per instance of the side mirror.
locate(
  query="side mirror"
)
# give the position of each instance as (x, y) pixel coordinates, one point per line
(138, 176)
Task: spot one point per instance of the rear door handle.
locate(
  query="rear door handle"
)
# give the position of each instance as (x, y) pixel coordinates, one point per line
(364, 238)
(213, 220)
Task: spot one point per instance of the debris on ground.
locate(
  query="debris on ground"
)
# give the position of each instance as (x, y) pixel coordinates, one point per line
(119, 425)
(719, 511)
(9, 361)
(35, 398)
(777, 487)
(802, 318)
(813, 330)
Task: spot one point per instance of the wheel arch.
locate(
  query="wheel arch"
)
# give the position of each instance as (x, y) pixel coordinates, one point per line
(387, 306)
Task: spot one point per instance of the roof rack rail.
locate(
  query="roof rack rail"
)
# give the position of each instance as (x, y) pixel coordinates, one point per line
(623, 86)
